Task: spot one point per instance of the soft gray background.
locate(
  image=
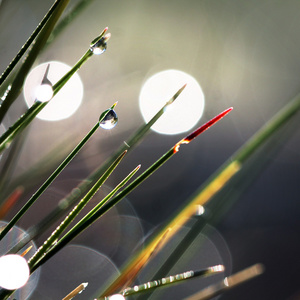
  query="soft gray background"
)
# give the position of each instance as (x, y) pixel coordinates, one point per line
(244, 54)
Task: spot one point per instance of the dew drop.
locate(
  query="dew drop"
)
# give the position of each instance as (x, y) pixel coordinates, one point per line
(99, 47)
(110, 120)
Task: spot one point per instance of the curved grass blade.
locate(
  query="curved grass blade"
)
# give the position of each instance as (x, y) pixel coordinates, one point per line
(44, 32)
(51, 178)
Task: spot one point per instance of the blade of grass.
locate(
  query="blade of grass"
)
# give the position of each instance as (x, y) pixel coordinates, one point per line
(146, 252)
(96, 215)
(35, 173)
(44, 32)
(76, 291)
(70, 217)
(27, 44)
(30, 114)
(9, 161)
(221, 200)
(70, 16)
(170, 280)
(228, 283)
(61, 242)
(51, 178)
(104, 200)
(65, 203)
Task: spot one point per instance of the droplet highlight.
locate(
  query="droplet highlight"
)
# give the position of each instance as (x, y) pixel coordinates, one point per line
(100, 46)
(44, 92)
(110, 120)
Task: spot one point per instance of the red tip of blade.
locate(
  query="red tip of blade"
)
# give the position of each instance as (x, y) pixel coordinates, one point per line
(208, 124)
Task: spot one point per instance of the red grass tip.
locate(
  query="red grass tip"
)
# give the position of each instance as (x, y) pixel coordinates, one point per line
(201, 129)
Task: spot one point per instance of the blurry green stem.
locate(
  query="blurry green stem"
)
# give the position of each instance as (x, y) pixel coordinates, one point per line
(71, 15)
(282, 117)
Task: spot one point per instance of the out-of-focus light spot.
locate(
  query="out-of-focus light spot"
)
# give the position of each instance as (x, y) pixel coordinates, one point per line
(116, 297)
(44, 92)
(184, 113)
(65, 102)
(14, 271)
(200, 210)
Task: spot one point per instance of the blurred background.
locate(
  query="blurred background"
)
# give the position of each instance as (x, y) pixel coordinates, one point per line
(243, 54)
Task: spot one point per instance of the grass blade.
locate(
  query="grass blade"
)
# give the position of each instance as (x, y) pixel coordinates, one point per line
(246, 159)
(228, 283)
(83, 224)
(70, 217)
(44, 32)
(27, 44)
(38, 229)
(103, 209)
(51, 178)
(174, 279)
(30, 114)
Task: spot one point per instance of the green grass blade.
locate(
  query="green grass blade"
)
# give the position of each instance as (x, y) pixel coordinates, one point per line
(70, 217)
(51, 178)
(252, 159)
(86, 222)
(73, 232)
(27, 44)
(65, 21)
(31, 113)
(67, 202)
(18, 81)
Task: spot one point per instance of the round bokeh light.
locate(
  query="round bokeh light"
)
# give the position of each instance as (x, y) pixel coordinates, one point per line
(65, 102)
(14, 271)
(184, 113)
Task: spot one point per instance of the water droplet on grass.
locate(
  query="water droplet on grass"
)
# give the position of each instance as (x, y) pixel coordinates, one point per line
(110, 120)
(99, 45)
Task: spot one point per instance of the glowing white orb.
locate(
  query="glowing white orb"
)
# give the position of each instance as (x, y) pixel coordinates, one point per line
(116, 297)
(14, 271)
(44, 92)
(65, 102)
(186, 110)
